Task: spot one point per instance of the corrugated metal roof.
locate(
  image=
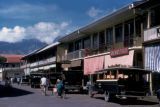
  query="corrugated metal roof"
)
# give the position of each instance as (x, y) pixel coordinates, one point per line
(48, 47)
(12, 58)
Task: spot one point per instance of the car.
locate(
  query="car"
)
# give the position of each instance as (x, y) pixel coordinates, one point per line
(24, 80)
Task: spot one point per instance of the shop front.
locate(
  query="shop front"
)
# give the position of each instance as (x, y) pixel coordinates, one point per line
(152, 62)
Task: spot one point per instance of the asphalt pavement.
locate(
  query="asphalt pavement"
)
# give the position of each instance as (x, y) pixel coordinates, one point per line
(24, 96)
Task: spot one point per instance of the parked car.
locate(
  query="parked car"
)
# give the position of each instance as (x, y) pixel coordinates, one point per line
(158, 95)
(123, 83)
(25, 80)
(35, 79)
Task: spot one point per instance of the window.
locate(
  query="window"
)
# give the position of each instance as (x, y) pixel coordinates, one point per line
(78, 45)
(95, 40)
(118, 33)
(70, 47)
(129, 29)
(155, 17)
(101, 38)
(109, 36)
(128, 33)
(138, 27)
(86, 42)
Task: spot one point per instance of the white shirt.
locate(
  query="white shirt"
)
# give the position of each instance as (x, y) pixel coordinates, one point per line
(43, 81)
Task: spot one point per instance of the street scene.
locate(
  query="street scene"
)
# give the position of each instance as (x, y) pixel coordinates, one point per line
(84, 53)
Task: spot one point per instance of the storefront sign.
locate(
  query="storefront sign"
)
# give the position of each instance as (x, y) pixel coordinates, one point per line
(119, 52)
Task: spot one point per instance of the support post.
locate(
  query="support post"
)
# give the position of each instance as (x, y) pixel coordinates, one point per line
(150, 83)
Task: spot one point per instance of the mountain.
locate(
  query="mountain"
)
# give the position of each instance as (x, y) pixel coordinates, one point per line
(24, 47)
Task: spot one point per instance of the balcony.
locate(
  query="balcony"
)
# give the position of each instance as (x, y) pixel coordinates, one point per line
(12, 68)
(40, 62)
(74, 55)
(152, 34)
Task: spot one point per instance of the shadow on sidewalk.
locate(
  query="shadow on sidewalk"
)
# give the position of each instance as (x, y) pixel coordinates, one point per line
(12, 92)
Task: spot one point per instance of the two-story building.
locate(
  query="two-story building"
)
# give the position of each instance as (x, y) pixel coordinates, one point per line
(151, 44)
(41, 60)
(114, 40)
(11, 67)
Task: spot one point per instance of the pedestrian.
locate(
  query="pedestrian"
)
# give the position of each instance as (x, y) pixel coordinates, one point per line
(44, 85)
(18, 80)
(7, 82)
(11, 79)
(60, 87)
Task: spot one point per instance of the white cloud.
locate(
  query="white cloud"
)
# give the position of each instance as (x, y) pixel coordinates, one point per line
(43, 31)
(94, 12)
(12, 35)
(26, 11)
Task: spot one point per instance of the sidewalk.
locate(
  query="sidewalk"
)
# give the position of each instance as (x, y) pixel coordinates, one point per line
(151, 98)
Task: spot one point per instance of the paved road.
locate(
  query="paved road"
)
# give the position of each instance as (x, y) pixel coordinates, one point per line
(24, 96)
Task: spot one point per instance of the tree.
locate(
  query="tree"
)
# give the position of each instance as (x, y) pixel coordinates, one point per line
(2, 59)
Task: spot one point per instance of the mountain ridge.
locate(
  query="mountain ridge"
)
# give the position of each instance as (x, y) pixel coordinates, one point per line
(23, 47)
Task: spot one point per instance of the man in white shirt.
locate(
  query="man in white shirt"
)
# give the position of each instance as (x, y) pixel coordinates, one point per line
(44, 85)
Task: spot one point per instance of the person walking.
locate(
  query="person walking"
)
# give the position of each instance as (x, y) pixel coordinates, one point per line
(60, 88)
(44, 85)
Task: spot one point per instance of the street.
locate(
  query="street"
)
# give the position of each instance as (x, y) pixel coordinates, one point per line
(24, 96)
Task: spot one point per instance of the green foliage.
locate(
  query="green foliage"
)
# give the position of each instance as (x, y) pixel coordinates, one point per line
(2, 59)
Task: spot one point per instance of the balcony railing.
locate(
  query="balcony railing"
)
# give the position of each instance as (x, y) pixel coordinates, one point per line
(74, 55)
(40, 62)
(152, 33)
(12, 68)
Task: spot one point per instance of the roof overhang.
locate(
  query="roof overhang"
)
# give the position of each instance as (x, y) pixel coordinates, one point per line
(53, 45)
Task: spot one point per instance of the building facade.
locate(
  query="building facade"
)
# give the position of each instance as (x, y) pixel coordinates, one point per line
(42, 60)
(11, 67)
(112, 41)
(151, 43)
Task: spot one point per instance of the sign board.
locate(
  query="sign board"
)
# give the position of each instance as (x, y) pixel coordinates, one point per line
(119, 52)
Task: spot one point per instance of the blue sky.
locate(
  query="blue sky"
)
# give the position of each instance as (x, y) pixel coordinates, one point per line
(48, 19)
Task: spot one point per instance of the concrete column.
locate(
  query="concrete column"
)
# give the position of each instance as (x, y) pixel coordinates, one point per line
(134, 22)
(114, 40)
(149, 19)
(150, 84)
(98, 39)
(123, 32)
(91, 37)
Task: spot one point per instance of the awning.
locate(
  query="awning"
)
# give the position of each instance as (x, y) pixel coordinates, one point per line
(91, 65)
(76, 63)
(125, 60)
